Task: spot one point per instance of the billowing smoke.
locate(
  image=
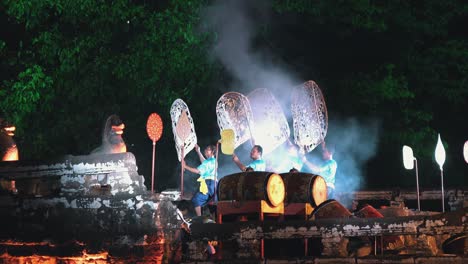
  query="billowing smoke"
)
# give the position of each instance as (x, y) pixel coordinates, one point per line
(355, 142)
(236, 22)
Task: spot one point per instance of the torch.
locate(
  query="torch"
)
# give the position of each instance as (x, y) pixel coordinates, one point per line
(440, 159)
(154, 128)
(409, 161)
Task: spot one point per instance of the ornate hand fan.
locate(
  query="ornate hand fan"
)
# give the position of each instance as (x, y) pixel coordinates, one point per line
(310, 117)
(233, 112)
(183, 128)
(271, 126)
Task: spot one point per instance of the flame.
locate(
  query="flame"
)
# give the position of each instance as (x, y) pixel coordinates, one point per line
(440, 153)
(100, 258)
(153, 253)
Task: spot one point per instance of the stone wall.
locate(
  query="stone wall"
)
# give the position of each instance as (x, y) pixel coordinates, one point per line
(83, 207)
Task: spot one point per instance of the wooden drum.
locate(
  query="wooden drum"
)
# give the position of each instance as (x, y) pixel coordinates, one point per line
(330, 209)
(389, 242)
(305, 188)
(252, 186)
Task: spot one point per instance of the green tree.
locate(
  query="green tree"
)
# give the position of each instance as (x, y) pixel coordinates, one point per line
(80, 61)
(403, 62)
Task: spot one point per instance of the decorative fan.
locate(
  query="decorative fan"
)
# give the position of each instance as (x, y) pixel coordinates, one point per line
(310, 117)
(183, 128)
(233, 112)
(271, 126)
(154, 128)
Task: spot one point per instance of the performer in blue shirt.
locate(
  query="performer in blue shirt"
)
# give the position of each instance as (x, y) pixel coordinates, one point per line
(207, 171)
(257, 164)
(327, 169)
(291, 160)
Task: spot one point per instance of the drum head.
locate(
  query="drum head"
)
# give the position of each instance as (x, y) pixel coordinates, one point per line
(319, 191)
(275, 189)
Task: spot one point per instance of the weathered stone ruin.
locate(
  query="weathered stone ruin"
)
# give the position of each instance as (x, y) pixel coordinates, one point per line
(79, 207)
(96, 208)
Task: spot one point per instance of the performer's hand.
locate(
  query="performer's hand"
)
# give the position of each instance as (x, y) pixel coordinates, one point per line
(185, 227)
(182, 162)
(234, 157)
(197, 148)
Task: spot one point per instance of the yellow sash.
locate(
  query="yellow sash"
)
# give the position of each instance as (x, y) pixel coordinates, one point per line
(203, 186)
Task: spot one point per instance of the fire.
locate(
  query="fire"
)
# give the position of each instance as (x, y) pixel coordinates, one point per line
(100, 258)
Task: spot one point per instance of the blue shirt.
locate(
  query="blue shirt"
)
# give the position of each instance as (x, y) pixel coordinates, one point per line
(257, 165)
(289, 162)
(328, 171)
(207, 169)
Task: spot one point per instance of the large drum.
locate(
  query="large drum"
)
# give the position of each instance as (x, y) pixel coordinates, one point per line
(305, 188)
(252, 186)
(330, 209)
(389, 242)
(367, 211)
(457, 244)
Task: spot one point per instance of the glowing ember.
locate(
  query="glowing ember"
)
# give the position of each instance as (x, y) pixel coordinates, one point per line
(154, 127)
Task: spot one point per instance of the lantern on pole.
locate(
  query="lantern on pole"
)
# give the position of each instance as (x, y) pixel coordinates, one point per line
(440, 159)
(154, 128)
(409, 161)
(465, 151)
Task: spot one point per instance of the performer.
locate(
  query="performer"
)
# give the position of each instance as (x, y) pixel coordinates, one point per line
(257, 164)
(207, 176)
(327, 170)
(291, 160)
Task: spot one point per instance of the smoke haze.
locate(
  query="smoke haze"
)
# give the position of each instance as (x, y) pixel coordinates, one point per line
(236, 22)
(355, 142)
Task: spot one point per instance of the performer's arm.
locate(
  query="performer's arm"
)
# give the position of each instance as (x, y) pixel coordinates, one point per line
(200, 155)
(314, 168)
(238, 163)
(186, 167)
